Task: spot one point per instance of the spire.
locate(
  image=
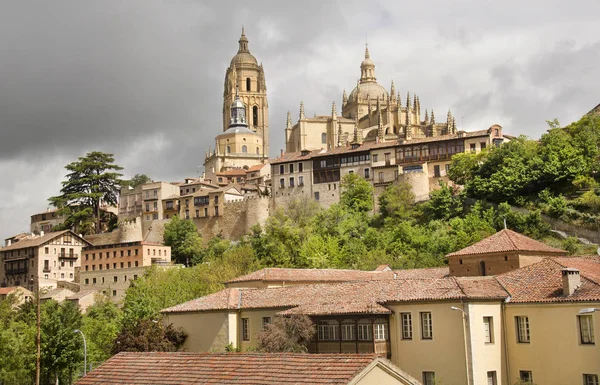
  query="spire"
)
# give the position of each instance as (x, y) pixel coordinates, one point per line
(302, 116)
(432, 117)
(380, 133)
(288, 124)
(339, 135)
(344, 98)
(367, 56)
(243, 42)
(449, 122)
(453, 125)
(414, 102)
(393, 92)
(399, 99)
(367, 68)
(355, 138)
(426, 117)
(407, 101)
(333, 110)
(419, 108)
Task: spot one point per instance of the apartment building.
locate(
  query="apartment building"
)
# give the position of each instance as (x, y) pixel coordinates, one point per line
(422, 162)
(146, 201)
(534, 322)
(41, 260)
(206, 203)
(45, 221)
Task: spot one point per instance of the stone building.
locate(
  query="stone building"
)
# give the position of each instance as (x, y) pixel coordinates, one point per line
(369, 113)
(41, 260)
(45, 221)
(244, 141)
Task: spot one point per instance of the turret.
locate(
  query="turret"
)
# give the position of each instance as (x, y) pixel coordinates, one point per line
(344, 99)
(393, 93)
(302, 116)
(333, 111)
(380, 132)
(339, 135)
(288, 124)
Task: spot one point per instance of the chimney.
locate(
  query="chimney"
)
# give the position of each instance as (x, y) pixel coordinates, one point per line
(8, 242)
(41, 233)
(571, 281)
(281, 153)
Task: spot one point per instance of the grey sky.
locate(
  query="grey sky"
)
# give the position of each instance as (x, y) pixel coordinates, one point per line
(143, 79)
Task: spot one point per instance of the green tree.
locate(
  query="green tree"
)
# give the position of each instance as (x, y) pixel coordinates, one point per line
(91, 182)
(287, 334)
(101, 324)
(17, 345)
(184, 239)
(149, 335)
(465, 165)
(397, 201)
(443, 203)
(137, 180)
(356, 193)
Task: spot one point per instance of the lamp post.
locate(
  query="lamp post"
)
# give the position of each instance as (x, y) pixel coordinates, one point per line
(84, 351)
(465, 317)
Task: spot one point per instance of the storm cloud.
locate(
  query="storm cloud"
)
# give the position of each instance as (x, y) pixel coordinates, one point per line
(143, 79)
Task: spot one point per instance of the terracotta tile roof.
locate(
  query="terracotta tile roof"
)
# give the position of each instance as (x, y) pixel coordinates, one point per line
(8, 290)
(36, 240)
(366, 297)
(296, 156)
(542, 281)
(275, 274)
(232, 172)
(82, 293)
(153, 368)
(507, 240)
(256, 167)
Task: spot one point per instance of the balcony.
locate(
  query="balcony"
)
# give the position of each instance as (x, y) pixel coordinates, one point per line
(46, 269)
(68, 255)
(20, 270)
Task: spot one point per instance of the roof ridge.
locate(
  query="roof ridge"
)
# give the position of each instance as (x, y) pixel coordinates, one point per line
(459, 286)
(508, 233)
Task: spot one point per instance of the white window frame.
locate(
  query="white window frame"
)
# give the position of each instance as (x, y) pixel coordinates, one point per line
(526, 375)
(523, 331)
(245, 329)
(348, 331)
(586, 329)
(488, 330)
(426, 325)
(407, 332)
(380, 332)
(328, 331)
(428, 378)
(590, 379)
(365, 331)
(492, 378)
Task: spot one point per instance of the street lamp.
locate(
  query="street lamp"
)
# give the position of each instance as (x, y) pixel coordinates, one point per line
(464, 321)
(588, 310)
(84, 351)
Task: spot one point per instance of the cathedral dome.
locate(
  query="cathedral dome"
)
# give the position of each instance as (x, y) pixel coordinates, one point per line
(372, 90)
(243, 55)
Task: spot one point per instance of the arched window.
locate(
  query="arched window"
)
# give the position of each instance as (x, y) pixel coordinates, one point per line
(257, 151)
(248, 84)
(229, 149)
(482, 267)
(323, 138)
(255, 116)
(244, 149)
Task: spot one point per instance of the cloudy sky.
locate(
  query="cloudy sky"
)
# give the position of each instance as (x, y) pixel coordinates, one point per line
(143, 79)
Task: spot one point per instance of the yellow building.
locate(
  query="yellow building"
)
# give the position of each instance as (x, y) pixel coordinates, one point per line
(244, 141)
(533, 322)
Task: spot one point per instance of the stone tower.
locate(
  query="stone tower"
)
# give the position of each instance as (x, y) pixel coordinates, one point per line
(245, 74)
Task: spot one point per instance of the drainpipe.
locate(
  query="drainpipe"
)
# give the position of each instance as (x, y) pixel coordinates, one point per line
(465, 319)
(504, 338)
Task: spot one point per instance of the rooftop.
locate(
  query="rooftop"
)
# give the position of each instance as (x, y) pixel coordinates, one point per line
(36, 240)
(233, 368)
(507, 240)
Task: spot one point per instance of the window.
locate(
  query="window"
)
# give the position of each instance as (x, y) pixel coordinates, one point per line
(374, 158)
(523, 329)
(87, 281)
(245, 329)
(94, 281)
(348, 331)
(323, 138)
(436, 171)
(46, 250)
(380, 332)
(282, 183)
(386, 156)
(328, 331)
(114, 293)
(206, 211)
(266, 321)
(426, 326)
(229, 149)
(367, 173)
(316, 195)
(526, 376)
(136, 263)
(115, 279)
(488, 329)
(244, 149)
(428, 378)
(472, 147)
(590, 379)
(216, 211)
(586, 329)
(281, 169)
(482, 145)
(300, 167)
(406, 326)
(365, 330)
(491, 378)
(381, 177)
(292, 182)
(300, 180)
(291, 168)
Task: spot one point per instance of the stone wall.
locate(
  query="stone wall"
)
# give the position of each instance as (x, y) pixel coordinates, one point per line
(237, 219)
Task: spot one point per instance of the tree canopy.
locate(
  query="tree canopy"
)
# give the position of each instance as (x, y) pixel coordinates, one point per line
(92, 181)
(184, 239)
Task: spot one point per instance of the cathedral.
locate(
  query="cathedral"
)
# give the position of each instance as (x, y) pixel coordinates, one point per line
(244, 141)
(369, 113)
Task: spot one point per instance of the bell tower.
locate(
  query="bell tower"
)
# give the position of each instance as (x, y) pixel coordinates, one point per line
(246, 79)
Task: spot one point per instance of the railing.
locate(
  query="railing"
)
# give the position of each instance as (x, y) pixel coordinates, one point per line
(21, 270)
(46, 270)
(68, 255)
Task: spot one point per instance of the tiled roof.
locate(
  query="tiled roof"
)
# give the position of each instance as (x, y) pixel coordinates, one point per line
(542, 281)
(153, 368)
(56, 292)
(232, 172)
(35, 241)
(505, 241)
(82, 294)
(366, 297)
(256, 167)
(112, 238)
(296, 156)
(275, 274)
(8, 290)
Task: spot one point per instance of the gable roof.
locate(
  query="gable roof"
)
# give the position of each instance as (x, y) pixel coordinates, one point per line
(505, 241)
(234, 368)
(36, 241)
(358, 297)
(542, 281)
